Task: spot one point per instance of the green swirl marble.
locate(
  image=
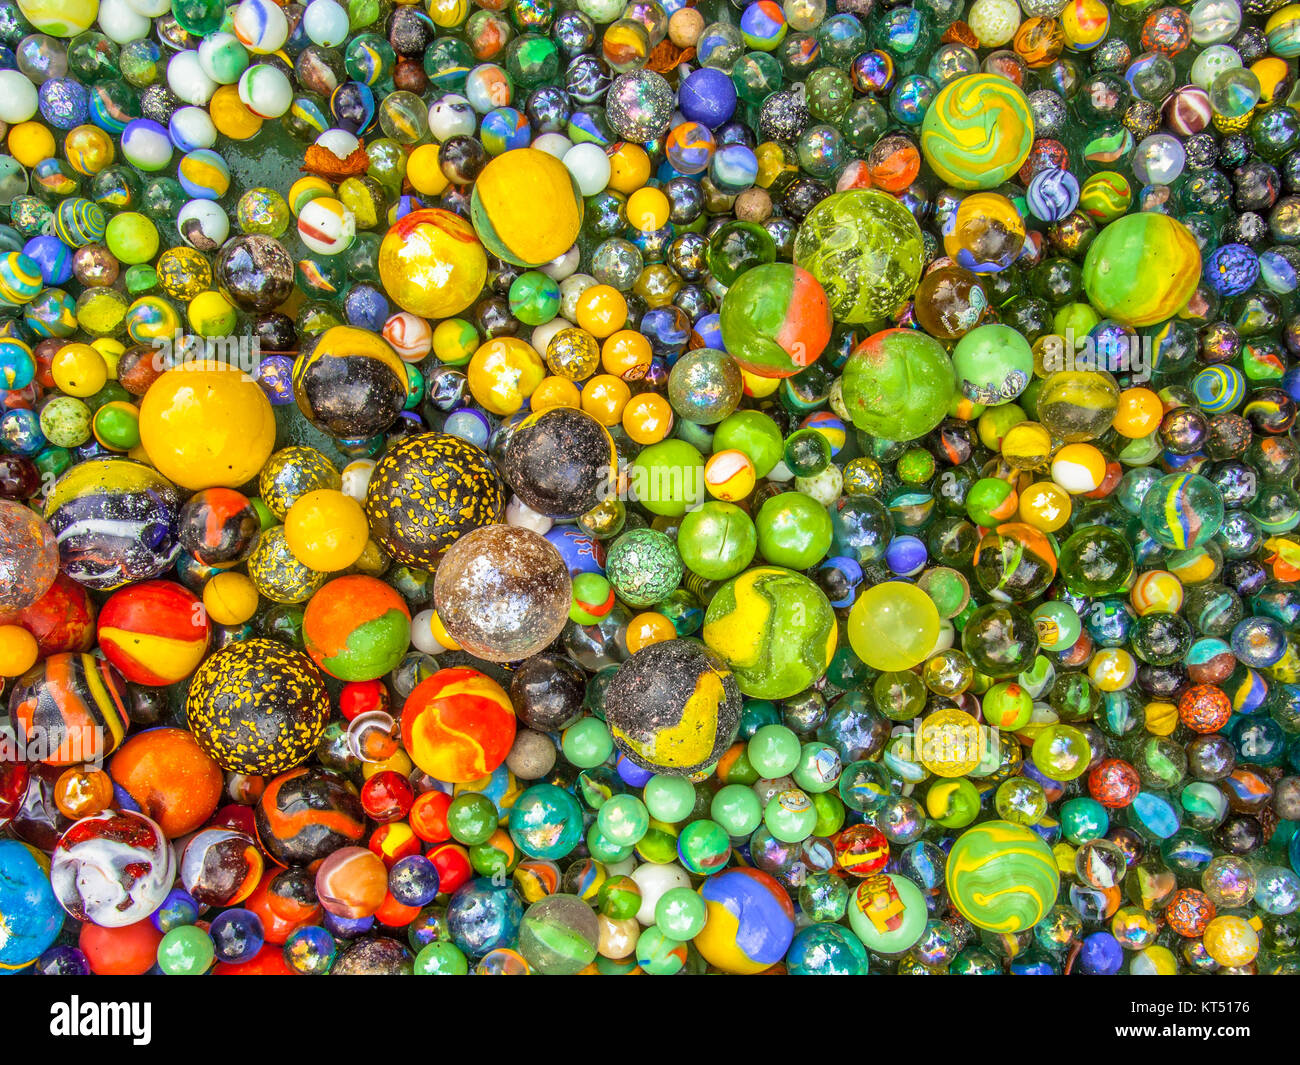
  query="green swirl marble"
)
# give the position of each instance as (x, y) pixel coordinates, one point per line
(1002, 877)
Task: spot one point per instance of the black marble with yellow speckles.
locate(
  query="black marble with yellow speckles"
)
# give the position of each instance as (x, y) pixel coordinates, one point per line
(258, 707)
(427, 492)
